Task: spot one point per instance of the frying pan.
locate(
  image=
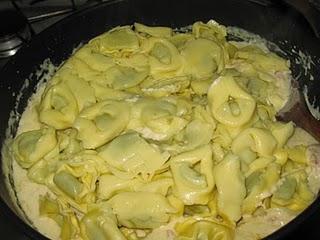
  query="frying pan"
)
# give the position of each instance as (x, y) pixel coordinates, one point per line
(280, 25)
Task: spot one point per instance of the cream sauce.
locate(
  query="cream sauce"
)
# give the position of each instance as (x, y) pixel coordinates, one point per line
(23, 186)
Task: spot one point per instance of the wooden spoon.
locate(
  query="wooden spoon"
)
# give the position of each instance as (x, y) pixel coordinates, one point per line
(300, 115)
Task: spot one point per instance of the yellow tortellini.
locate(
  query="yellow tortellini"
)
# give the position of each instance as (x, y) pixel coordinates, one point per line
(66, 145)
(196, 133)
(293, 192)
(158, 119)
(120, 40)
(259, 185)
(229, 103)
(100, 223)
(81, 90)
(131, 155)
(109, 185)
(29, 147)
(203, 58)
(121, 77)
(141, 209)
(265, 61)
(66, 220)
(94, 59)
(78, 67)
(282, 132)
(179, 39)
(210, 30)
(75, 178)
(153, 31)
(107, 93)
(101, 122)
(166, 86)
(266, 74)
(158, 133)
(206, 54)
(58, 107)
(68, 184)
(194, 229)
(258, 140)
(192, 175)
(163, 56)
(231, 188)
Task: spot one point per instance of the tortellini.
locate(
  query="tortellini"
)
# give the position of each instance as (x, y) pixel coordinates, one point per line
(258, 140)
(153, 31)
(29, 147)
(100, 223)
(193, 229)
(101, 122)
(109, 185)
(282, 132)
(211, 30)
(120, 77)
(259, 185)
(166, 86)
(229, 103)
(265, 61)
(293, 192)
(263, 224)
(68, 183)
(132, 155)
(81, 90)
(206, 54)
(196, 133)
(193, 184)
(163, 56)
(204, 57)
(66, 145)
(231, 189)
(116, 41)
(57, 210)
(266, 73)
(158, 119)
(94, 60)
(74, 179)
(141, 209)
(58, 107)
(154, 133)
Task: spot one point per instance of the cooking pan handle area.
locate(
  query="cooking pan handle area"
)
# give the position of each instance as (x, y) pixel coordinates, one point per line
(305, 7)
(309, 11)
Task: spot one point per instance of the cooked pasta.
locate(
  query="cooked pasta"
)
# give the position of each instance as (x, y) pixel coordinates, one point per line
(148, 128)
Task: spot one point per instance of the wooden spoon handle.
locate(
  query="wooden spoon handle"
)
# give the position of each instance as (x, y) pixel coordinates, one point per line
(301, 116)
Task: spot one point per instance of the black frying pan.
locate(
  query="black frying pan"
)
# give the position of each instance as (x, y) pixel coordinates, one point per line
(278, 24)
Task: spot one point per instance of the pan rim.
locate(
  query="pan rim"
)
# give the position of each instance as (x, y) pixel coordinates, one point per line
(33, 233)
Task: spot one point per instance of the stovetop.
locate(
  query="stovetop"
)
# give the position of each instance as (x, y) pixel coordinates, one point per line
(43, 13)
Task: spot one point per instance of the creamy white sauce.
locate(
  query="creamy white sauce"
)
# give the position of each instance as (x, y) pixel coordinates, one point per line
(306, 63)
(24, 193)
(257, 227)
(27, 191)
(299, 137)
